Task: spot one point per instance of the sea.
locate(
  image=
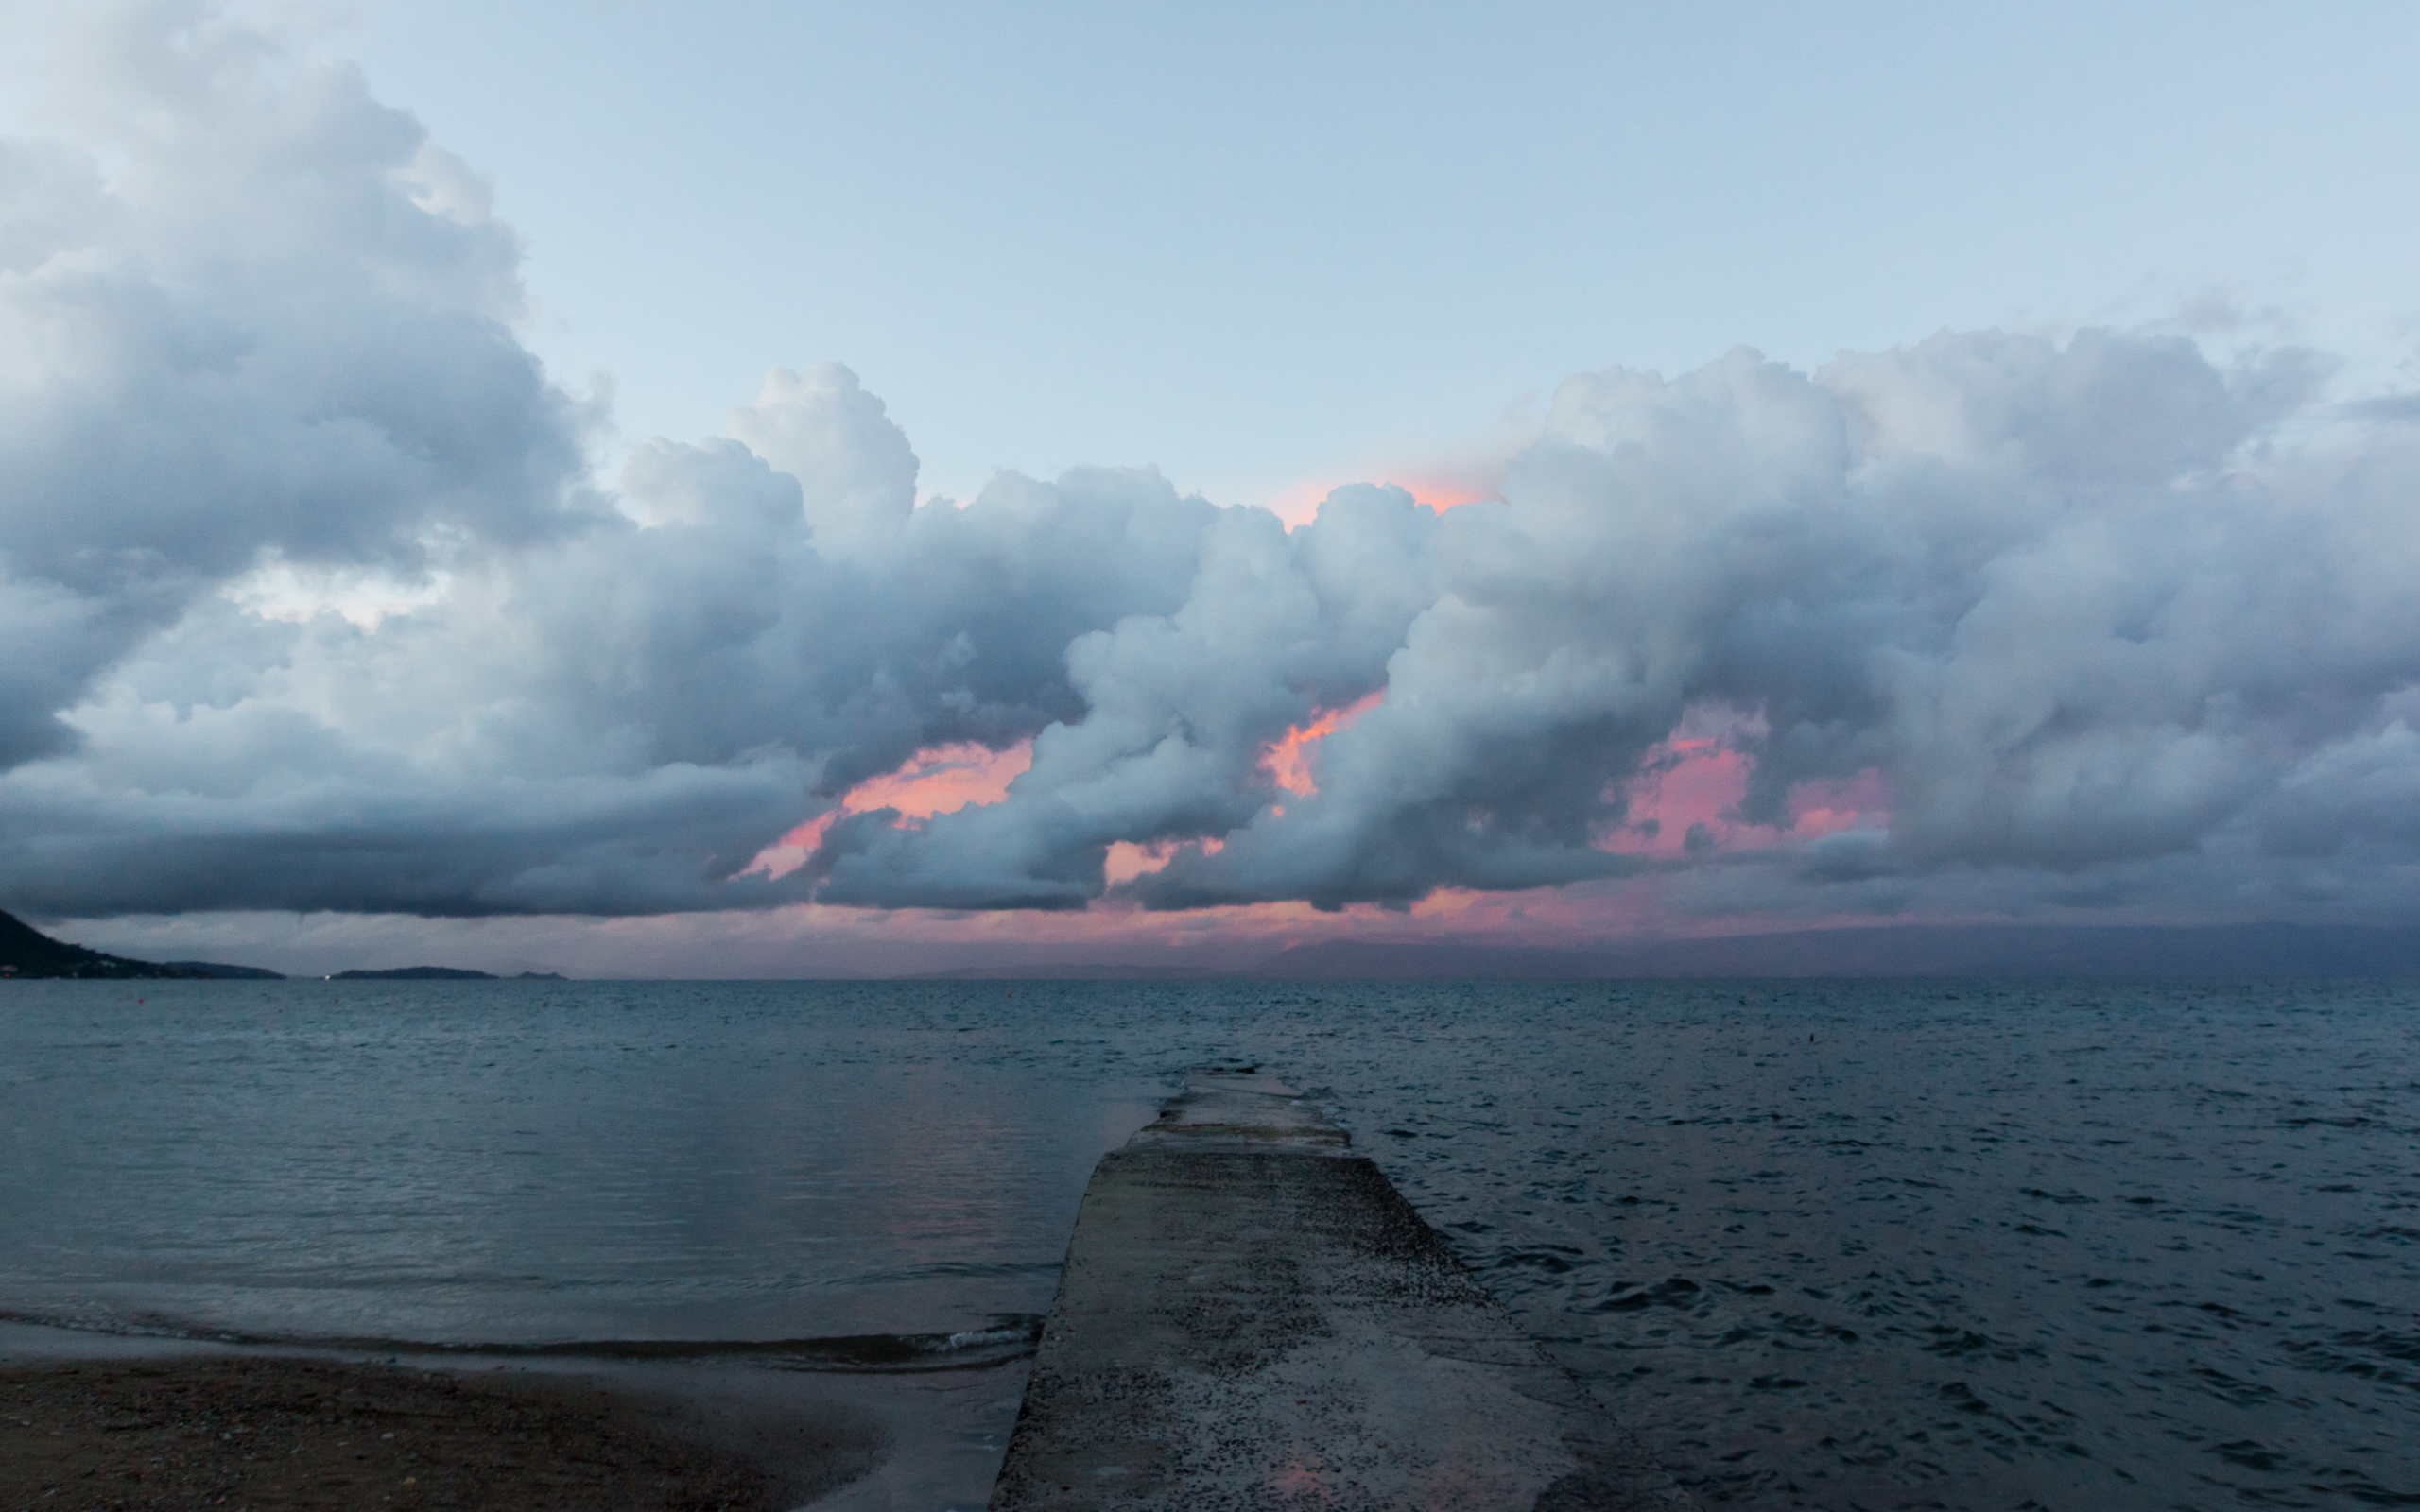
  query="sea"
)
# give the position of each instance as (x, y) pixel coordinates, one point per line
(1818, 1245)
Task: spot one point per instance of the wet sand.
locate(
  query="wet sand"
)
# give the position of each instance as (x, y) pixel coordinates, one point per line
(281, 1435)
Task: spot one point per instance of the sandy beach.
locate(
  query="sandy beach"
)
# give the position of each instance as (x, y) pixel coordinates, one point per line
(281, 1435)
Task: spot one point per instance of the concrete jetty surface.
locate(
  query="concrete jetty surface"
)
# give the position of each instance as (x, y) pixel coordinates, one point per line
(1252, 1316)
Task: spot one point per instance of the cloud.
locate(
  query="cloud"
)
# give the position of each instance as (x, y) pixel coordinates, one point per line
(229, 329)
(1986, 622)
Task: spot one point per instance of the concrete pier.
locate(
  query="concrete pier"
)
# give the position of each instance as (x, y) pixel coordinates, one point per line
(1252, 1316)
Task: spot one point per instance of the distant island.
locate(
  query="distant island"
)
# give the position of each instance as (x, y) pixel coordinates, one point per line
(442, 973)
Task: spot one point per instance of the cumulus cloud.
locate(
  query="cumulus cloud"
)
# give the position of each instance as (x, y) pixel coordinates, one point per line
(229, 327)
(2098, 620)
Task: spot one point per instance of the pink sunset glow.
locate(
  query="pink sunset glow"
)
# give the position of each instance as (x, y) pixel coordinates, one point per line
(1288, 760)
(943, 780)
(1298, 504)
(937, 780)
(1605, 914)
(1127, 861)
(1698, 780)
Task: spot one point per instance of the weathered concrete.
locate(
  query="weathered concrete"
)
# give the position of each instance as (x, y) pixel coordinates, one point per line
(1252, 1317)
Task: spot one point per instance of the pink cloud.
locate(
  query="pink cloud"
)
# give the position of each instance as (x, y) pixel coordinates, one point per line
(1298, 504)
(1698, 780)
(937, 780)
(943, 780)
(1127, 861)
(1287, 759)
(1689, 779)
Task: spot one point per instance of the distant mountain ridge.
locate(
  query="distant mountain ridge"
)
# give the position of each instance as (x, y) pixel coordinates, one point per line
(442, 973)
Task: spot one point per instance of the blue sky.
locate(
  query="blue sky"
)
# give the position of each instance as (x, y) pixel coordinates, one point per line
(1256, 244)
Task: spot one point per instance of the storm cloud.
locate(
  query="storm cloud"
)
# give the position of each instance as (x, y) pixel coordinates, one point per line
(2100, 618)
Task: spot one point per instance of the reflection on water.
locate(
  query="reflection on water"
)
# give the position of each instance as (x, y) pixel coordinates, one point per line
(447, 1162)
(1822, 1244)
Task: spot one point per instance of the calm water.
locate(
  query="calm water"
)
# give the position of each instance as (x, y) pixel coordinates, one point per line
(1820, 1245)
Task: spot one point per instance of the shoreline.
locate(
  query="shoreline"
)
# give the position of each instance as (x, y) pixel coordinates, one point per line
(288, 1432)
(846, 1441)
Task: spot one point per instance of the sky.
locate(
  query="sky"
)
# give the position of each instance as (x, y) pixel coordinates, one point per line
(1272, 248)
(787, 490)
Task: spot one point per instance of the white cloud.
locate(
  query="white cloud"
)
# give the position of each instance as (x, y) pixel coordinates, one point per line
(312, 603)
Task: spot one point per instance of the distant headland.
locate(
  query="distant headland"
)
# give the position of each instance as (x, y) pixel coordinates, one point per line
(27, 953)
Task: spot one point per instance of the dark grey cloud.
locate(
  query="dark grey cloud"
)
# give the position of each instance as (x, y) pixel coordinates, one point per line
(2108, 622)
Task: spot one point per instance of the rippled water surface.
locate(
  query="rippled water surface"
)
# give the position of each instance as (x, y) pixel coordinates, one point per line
(1825, 1245)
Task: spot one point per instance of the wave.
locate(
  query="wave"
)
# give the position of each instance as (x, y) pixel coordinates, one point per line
(1011, 1336)
(951, 1270)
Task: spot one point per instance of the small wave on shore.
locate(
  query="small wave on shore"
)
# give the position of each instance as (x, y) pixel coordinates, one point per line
(1012, 1336)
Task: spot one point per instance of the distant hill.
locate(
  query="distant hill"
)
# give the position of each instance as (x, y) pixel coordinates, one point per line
(26, 952)
(443, 973)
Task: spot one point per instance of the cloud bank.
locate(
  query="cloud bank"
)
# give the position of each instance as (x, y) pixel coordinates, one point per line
(313, 601)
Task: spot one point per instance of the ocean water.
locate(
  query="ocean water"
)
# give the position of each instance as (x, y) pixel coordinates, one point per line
(1819, 1245)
